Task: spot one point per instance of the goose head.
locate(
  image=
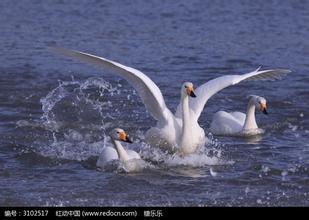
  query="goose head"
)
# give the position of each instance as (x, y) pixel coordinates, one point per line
(187, 90)
(260, 103)
(119, 134)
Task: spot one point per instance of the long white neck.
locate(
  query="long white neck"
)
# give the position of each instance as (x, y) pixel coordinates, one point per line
(122, 154)
(185, 144)
(250, 122)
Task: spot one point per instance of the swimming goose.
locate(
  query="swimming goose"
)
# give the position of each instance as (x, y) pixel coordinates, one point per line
(238, 123)
(117, 152)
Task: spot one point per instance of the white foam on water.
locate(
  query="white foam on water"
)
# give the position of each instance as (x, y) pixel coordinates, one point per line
(210, 154)
(265, 169)
(131, 166)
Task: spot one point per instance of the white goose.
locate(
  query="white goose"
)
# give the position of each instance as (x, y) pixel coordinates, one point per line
(180, 132)
(117, 152)
(238, 123)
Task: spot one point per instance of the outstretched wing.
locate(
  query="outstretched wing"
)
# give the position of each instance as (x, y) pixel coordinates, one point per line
(148, 91)
(207, 90)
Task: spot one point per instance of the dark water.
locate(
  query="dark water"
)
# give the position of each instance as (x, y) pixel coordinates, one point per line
(55, 112)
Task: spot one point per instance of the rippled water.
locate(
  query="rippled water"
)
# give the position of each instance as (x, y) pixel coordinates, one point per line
(55, 113)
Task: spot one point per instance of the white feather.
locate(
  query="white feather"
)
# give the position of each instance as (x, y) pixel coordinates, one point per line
(207, 90)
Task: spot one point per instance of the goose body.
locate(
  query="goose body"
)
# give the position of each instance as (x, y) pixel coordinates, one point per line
(118, 152)
(237, 123)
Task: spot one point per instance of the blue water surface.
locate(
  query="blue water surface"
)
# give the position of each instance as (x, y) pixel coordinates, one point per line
(55, 112)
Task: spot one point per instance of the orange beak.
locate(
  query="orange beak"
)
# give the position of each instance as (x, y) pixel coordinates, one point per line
(190, 91)
(124, 137)
(263, 108)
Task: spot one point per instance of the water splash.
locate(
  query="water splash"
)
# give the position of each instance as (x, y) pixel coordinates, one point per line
(75, 101)
(209, 154)
(131, 166)
(77, 114)
(74, 120)
(212, 172)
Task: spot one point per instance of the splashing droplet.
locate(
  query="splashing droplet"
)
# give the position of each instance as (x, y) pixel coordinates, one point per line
(212, 172)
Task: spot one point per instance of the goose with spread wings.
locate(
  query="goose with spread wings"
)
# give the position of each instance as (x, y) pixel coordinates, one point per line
(179, 132)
